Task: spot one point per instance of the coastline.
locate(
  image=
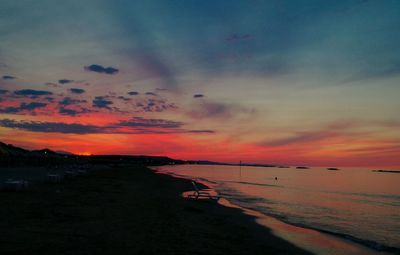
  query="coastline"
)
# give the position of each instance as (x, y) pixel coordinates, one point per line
(311, 239)
(127, 209)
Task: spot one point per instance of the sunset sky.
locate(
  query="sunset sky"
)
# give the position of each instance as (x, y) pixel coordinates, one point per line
(283, 82)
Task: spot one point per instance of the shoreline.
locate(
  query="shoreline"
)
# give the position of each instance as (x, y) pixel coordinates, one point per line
(128, 209)
(325, 241)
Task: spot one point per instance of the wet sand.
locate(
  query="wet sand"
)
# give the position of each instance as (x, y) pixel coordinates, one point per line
(128, 210)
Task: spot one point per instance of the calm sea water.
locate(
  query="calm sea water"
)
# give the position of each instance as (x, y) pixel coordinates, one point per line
(355, 203)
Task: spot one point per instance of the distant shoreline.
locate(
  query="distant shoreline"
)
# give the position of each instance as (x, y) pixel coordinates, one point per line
(387, 171)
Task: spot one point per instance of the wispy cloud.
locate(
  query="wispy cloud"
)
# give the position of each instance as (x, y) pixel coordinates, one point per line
(301, 138)
(139, 122)
(51, 127)
(140, 125)
(135, 125)
(337, 129)
(32, 92)
(204, 109)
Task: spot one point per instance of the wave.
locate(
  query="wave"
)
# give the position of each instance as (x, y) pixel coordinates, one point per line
(256, 184)
(366, 242)
(380, 199)
(386, 196)
(253, 203)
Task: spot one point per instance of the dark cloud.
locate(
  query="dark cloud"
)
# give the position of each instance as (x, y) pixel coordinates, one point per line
(77, 91)
(77, 109)
(124, 98)
(154, 105)
(65, 111)
(139, 122)
(101, 102)
(133, 93)
(198, 95)
(3, 91)
(51, 127)
(32, 106)
(150, 94)
(32, 92)
(23, 107)
(201, 131)
(101, 69)
(65, 81)
(139, 125)
(136, 125)
(75, 104)
(8, 77)
(73, 112)
(10, 110)
(70, 101)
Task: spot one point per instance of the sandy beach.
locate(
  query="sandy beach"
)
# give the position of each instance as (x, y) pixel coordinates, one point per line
(127, 210)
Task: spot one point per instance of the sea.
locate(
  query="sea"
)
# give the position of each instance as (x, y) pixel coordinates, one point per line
(355, 204)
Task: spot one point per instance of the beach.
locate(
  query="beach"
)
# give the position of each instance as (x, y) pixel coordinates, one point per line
(127, 210)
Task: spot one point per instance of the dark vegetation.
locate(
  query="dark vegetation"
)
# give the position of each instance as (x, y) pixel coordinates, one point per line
(12, 156)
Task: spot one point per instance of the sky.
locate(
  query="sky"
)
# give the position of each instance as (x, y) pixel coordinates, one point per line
(283, 82)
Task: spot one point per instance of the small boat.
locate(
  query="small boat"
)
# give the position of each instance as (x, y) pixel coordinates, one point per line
(333, 168)
(302, 167)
